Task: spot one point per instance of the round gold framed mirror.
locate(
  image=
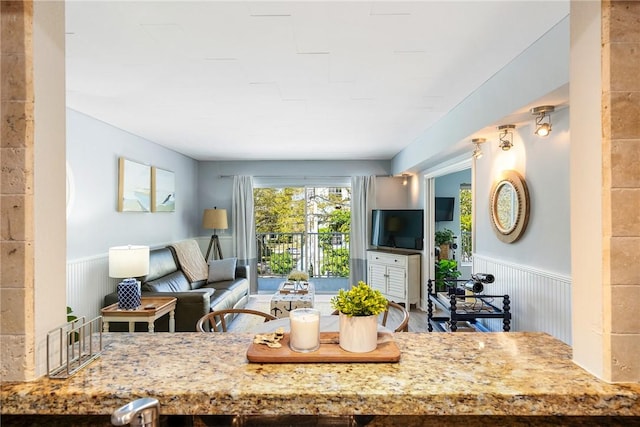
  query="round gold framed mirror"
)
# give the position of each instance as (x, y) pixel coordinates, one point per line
(509, 206)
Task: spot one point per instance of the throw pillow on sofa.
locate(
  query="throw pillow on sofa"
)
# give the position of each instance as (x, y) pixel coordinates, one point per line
(222, 269)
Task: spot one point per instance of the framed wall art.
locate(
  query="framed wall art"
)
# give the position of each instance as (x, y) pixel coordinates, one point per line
(134, 186)
(163, 190)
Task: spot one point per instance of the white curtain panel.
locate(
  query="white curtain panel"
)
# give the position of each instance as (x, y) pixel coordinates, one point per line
(363, 196)
(244, 238)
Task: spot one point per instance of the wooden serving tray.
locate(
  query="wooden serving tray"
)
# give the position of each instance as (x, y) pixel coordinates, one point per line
(387, 352)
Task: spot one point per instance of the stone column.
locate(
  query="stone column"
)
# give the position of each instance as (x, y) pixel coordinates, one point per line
(621, 188)
(17, 326)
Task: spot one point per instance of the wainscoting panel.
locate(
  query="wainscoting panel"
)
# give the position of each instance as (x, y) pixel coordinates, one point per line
(88, 278)
(540, 301)
(88, 282)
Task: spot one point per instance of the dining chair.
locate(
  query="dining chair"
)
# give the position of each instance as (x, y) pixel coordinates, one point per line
(403, 314)
(219, 318)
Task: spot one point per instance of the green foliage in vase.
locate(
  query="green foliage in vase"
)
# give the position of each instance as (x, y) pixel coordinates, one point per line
(443, 237)
(298, 275)
(360, 300)
(71, 318)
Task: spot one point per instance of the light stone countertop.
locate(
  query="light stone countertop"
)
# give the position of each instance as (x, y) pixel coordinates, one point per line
(439, 374)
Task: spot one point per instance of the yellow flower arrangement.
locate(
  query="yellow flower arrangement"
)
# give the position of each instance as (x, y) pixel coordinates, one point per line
(298, 276)
(360, 300)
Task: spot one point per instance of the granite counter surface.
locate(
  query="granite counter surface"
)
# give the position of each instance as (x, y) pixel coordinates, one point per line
(439, 374)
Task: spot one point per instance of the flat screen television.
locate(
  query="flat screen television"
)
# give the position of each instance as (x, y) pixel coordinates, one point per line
(398, 228)
(444, 208)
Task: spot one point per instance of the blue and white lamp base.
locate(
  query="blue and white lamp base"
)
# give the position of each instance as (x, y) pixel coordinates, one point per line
(129, 294)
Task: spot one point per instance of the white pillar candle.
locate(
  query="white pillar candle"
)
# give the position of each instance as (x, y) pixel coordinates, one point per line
(305, 330)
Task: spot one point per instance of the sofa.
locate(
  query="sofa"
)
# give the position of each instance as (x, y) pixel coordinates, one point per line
(195, 298)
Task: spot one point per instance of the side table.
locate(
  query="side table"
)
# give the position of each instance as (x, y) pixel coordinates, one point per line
(283, 303)
(151, 309)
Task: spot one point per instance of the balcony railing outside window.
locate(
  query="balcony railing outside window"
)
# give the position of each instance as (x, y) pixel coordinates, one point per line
(318, 254)
(324, 256)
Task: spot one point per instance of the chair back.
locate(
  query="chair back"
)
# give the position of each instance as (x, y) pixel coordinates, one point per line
(403, 313)
(209, 322)
(403, 326)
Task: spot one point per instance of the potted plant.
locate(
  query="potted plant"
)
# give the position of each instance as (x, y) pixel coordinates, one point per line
(71, 318)
(444, 239)
(298, 277)
(359, 308)
(445, 269)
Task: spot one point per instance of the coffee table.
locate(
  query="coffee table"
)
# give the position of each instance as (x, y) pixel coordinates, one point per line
(151, 309)
(283, 303)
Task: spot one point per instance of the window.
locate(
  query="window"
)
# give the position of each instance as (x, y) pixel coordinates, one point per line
(466, 244)
(302, 228)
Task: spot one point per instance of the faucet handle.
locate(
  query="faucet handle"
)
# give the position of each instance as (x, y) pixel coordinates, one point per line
(143, 412)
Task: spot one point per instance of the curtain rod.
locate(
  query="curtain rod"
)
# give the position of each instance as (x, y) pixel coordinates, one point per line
(301, 177)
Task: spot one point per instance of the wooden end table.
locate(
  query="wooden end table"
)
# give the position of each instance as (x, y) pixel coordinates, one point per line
(151, 309)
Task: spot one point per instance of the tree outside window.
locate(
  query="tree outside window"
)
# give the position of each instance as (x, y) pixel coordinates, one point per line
(303, 228)
(466, 245)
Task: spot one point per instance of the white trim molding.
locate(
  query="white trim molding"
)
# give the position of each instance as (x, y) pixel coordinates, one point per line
(540, 300)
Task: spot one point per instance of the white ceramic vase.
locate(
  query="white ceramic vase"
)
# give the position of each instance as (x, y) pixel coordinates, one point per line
(358, 334)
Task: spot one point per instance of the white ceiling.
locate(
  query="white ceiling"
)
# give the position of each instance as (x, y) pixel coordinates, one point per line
(289, 80)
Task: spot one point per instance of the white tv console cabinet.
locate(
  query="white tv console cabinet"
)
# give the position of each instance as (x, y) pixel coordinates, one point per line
(396, 275)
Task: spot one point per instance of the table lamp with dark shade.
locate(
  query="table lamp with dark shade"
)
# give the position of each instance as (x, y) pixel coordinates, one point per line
(127, 263)
(217, 220)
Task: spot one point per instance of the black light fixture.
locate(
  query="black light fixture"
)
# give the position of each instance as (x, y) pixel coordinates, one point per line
(477, 152)
(543, 119)
(506, 136)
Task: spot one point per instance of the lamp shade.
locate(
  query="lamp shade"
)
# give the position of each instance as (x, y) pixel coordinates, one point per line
(215, 218)
(128, 261)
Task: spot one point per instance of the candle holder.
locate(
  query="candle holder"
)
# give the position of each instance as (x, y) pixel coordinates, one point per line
(305, 330)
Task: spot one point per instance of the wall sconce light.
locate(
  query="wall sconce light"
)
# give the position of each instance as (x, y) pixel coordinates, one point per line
(404, 179)
(506, 136)
(477, 152)
(543, 119)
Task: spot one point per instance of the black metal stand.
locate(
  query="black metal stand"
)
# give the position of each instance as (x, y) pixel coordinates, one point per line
(217, 250)
(453, 313)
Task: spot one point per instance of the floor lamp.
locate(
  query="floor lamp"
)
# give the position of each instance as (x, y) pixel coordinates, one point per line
(217, 220)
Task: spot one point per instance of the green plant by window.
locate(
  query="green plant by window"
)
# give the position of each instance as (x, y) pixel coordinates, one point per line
(444, 237)
(360, 300)
(446, 269)
(72, 318)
